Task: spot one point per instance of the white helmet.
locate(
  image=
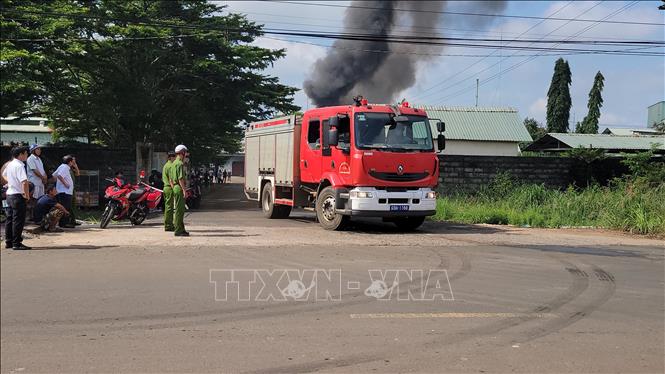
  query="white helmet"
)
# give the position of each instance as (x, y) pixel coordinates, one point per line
(181, 148)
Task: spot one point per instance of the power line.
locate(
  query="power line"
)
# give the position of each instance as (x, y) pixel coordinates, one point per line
(472, 76)
(471, 13)
(414, 39)
(517, 65)
(404, 39)
(434, 29)
(483, 59)
(622, 52)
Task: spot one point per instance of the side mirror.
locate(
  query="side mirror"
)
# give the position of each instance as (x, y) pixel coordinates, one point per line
(333, 138)
(333, 121)
(440, 126)
(441, 142)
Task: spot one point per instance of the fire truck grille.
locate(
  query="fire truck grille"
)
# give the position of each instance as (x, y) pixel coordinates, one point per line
(394, 177)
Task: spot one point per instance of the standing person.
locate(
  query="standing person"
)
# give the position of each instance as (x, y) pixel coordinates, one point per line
(18, 193)
(75, 172)
(36, 173)
(224, 175)
(36, 176)
(168, 192)
(65, 187)
(48, 211)
(177, 178)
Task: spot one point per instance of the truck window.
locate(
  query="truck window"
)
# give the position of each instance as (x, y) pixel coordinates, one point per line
(314, 134)
(344, 133)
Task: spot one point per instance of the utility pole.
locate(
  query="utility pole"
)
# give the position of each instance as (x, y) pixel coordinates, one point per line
(476, 91)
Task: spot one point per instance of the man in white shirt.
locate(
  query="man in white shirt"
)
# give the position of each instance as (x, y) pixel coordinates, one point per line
(64, 185)
(18, 193)
(36, 176)
(36, 173)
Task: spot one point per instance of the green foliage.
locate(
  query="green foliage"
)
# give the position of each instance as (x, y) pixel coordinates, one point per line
(589, 124)
(643, 168)
(119, 72)
(588, 155)
(558, 98)
(625, 205)
(535, 129)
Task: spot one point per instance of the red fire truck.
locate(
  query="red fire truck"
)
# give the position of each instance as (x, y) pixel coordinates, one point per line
(362, 160)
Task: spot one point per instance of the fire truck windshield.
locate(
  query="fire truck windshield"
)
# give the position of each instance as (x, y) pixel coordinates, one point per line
(380, 131)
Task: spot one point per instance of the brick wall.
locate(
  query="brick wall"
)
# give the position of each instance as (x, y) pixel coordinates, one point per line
(471, 172)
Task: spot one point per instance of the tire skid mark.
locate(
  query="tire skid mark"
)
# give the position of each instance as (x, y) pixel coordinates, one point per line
(250, 312)
(579, 284)
(607, 282)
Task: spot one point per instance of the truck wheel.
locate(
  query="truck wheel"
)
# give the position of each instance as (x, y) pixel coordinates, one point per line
(409, 223)
(325, 211)
(270, 210)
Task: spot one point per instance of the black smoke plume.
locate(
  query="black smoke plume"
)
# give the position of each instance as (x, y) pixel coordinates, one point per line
(356, 67)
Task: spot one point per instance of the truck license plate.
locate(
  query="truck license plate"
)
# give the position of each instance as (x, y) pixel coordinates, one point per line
(399, 208)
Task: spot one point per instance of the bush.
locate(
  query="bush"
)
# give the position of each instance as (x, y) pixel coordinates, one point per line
(628, 204)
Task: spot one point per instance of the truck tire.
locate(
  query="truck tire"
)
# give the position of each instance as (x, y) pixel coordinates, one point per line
(325, 211)
(408, 223)
(270, 210)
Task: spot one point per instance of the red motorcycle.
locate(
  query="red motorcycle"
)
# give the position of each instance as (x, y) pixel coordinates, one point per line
(129, 201)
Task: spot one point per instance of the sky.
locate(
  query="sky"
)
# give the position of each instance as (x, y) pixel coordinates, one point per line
(632, 83)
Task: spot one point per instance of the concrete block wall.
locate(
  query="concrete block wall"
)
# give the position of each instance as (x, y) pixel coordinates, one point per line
(472, 172)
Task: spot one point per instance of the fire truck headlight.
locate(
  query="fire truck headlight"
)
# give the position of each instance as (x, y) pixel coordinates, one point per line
(430, 195)
(361, 195)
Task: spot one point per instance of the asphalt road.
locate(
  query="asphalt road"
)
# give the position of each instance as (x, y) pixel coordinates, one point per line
(455, 298)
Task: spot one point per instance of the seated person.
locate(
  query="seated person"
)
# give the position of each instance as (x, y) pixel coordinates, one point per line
(48, 211)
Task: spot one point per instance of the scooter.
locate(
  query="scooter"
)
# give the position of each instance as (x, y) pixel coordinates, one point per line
(126, 201)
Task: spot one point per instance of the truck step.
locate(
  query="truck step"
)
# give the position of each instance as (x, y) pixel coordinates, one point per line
(309, 209)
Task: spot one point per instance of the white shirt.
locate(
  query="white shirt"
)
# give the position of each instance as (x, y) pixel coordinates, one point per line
(15, 176)
(35, 163)
(63, 171)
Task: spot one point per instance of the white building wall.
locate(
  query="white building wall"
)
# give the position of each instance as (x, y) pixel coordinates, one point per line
(481, 148)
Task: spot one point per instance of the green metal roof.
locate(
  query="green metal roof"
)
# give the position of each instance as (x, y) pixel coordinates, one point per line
(479, 123)
(559, 141)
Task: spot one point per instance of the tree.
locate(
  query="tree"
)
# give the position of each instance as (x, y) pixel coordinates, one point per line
(161, 72)
(535, 129)
(558, 98)
(589, 124)
(28, 68)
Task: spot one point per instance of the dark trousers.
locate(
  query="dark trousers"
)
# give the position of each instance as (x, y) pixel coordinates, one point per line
(15, 219)
(66, 201)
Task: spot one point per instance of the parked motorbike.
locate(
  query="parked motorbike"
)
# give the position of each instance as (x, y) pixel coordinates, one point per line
(126, 201)
(193, 193)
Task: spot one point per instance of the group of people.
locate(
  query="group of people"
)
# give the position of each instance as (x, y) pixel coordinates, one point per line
(208, 176)
(31, 194)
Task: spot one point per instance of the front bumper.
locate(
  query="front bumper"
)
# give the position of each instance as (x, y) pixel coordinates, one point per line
(412, 202)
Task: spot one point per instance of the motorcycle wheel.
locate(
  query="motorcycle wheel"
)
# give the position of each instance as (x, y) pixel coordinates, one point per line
(106, 216)
(138, 217)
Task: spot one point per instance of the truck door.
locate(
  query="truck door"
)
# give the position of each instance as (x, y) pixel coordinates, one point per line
(310, 150)
(333, 157)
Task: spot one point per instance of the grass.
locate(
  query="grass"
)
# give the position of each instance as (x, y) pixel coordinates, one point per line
(625, 205)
